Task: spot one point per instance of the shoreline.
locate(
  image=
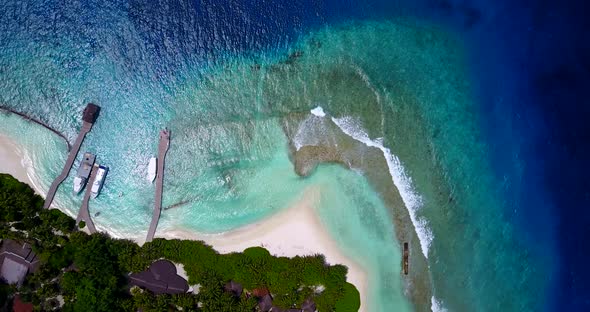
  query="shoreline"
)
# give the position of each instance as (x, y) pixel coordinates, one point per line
(275, 232)
(295, 231)
(350, 149)
(11, 160)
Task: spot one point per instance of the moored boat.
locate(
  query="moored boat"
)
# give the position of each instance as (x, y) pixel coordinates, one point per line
(152, 169)
(99, 180)
(79, 183)
(83, 172)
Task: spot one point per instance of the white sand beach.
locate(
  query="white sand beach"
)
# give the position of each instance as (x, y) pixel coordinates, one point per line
(292, 232)
(11, 160)
(295, 231)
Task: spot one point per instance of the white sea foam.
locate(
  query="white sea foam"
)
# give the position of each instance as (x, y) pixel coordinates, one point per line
(314, 131)
(27, 163)
(401, 180)
(297, 140)
(318, 111)
(436, 305)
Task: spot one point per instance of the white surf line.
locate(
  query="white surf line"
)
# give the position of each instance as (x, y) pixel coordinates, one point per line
(300, 138)
(318, 111)
(400, 179)
(436, 305)
(27, 163)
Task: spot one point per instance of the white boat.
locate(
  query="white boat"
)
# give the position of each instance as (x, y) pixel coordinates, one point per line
(83, 172)
(99, 180)
(152, 169)
(79, 183)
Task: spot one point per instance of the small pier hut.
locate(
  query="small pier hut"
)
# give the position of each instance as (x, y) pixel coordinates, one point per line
(90, 113)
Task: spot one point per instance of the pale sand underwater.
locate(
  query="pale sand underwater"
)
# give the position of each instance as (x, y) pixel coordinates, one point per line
(12, 160)
(295, 231)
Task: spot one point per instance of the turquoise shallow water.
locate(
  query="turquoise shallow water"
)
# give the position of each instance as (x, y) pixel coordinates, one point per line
(349, 209)
(401, 82)
(354, 214)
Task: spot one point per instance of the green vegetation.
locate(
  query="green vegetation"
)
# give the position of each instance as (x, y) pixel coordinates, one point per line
(350, 300)
(90, 271)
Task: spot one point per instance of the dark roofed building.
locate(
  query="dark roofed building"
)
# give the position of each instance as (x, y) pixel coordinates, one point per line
(308, 306)
(16, 260)
(91, 113)
(234, 288)
(160, 278)
(265, 303)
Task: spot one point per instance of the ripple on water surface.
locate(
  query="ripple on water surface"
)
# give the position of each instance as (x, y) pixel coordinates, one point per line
(232, 124)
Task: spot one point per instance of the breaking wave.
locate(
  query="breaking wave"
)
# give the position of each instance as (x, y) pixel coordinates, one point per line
(401, 180)
(436, 305)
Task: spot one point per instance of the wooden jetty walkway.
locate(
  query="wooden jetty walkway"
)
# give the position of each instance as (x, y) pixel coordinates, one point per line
(162, 149)
(84, 213)
(88, 118)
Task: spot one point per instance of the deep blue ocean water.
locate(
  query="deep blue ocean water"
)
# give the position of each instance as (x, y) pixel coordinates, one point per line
(527, 63)
(530, 65)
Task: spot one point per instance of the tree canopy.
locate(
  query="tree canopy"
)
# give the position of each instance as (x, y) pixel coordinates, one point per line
(91, 272)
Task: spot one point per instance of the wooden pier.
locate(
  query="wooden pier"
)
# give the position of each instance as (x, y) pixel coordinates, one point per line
(88, 118)
(84, 213)
(162, 150)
